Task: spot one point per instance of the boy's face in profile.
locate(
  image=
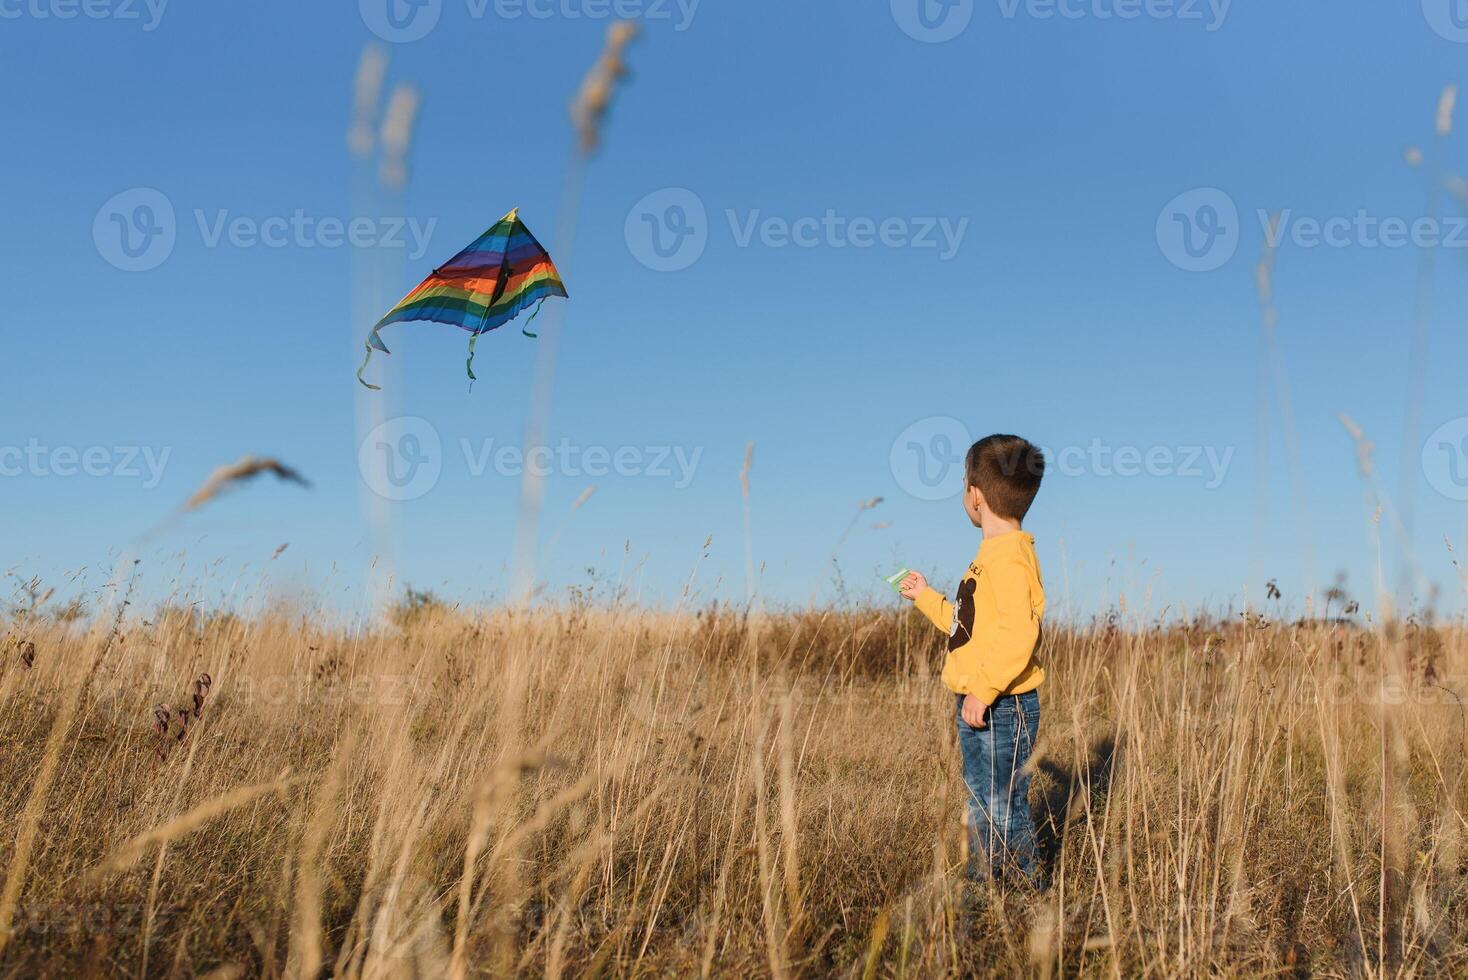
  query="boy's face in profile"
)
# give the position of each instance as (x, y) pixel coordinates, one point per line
(973, 503)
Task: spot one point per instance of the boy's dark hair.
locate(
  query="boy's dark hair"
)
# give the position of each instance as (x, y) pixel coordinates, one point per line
(1007, 470)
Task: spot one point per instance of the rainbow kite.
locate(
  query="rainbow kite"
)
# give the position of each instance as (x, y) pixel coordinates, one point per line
(501, 274)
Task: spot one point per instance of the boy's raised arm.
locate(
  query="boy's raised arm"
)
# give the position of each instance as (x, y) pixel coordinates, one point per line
(930, 601)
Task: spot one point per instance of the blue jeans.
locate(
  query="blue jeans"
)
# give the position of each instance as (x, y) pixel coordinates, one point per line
(995, 764)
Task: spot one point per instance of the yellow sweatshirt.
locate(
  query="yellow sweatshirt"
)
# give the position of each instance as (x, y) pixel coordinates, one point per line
(994, 628)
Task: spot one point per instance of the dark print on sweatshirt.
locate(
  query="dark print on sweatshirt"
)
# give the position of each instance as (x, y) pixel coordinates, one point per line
(962, 629)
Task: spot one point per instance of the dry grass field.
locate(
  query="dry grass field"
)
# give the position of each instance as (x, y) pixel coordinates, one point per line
(594, 790)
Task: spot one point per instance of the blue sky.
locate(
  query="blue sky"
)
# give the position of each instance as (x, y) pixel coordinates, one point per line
(891, 237)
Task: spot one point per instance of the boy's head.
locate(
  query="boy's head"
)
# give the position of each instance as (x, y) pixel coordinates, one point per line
(1001, 475)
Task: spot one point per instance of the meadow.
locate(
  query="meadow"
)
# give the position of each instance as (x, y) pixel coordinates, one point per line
(591, 789)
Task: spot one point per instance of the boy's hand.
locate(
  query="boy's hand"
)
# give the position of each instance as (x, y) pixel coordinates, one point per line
(974, 711)
(913, 585)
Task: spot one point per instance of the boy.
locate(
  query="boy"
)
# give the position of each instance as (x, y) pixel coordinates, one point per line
(993, 629)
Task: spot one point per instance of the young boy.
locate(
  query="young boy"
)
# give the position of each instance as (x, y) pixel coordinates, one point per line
(993, 629)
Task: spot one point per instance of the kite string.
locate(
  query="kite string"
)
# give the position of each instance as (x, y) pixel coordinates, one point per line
(501, 280)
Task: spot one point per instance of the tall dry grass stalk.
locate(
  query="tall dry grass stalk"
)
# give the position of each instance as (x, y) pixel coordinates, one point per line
(247, 468)
(396, 138)
(1274, 367)
(586, 789)
(1436, 181)
(63, 708)
(367, 86)
(588, 110)
(600, 87)
(186, 823)
(380, 141)
(744, 472)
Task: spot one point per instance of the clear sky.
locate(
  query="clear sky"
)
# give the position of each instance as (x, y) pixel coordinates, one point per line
(852, 234)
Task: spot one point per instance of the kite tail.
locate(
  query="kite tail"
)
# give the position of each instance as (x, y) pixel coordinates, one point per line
(533, 314)
(374, 342)
(469, 365)
(365, 382)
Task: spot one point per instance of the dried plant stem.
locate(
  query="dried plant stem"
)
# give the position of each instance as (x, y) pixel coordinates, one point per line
(543, 385)
(129, 853)
(307, 953)
(30, 818)
(789, 823)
